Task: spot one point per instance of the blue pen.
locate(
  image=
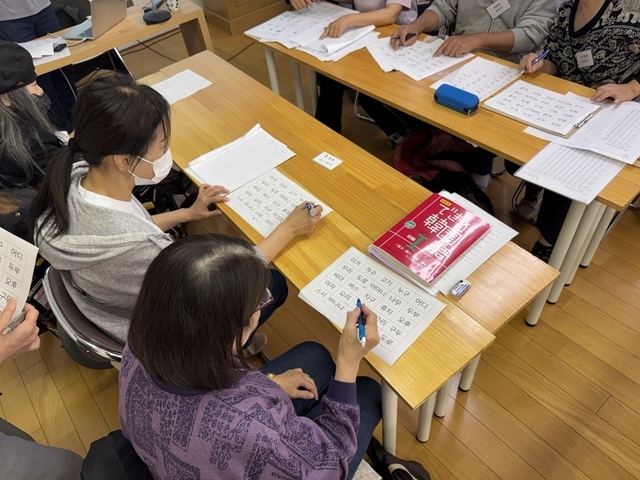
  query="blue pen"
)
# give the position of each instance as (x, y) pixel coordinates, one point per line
(539, 58)
(311, 208)
(360, 326)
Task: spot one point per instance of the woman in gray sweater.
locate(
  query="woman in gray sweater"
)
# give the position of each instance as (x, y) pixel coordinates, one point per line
(86, 221)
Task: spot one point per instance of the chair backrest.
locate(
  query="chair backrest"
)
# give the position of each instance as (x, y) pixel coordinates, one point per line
(113, 458)
(77, 326)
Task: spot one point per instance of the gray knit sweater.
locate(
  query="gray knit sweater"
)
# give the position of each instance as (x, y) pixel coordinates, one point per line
(107, 253)
(529, 20)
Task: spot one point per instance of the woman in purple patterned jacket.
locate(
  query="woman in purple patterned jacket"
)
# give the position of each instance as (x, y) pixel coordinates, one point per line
(193, 408)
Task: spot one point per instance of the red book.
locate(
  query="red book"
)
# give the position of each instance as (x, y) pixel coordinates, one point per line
(430, 239)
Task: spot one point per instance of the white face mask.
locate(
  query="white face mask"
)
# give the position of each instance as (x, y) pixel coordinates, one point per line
(161, 168)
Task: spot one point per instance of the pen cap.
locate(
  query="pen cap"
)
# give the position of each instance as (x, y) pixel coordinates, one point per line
(456, 99)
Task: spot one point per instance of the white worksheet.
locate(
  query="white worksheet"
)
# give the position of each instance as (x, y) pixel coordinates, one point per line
(404, 310)
(541, 108)
(577, 174)
(17, 261)
(613, 132)
(481, 77)
(416, 61)
(328, 46)
(181, 85)
(362, 42)
(497, 237)
(266, 201)
(41, 47)
(241, 161)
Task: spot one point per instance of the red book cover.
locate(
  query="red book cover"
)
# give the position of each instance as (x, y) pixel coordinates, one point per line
(430, 239)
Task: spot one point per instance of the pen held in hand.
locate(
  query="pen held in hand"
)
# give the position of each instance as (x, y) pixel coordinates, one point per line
(311, 208)
(360, 326)
(14, 323)
(539, 58)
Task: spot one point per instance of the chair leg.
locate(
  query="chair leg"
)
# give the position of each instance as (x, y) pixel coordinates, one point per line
(356, 111)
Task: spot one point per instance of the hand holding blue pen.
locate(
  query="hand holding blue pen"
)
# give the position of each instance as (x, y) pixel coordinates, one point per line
(311, 208)
(538, 59)
(360, 326)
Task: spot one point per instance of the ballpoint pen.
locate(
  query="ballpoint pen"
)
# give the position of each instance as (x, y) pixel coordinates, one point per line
(14, 323)
(311, 208)
(539, 58)
(360, 326)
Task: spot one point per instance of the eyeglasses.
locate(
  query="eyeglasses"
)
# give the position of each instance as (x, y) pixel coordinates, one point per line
(265, 300)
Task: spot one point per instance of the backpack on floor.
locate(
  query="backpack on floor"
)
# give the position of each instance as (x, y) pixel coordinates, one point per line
(436, 159)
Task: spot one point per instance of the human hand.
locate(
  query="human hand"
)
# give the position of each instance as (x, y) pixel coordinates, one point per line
(300, 4)
(300, 221)
(404, 36)
(458, 45)
(207, 194)
(350, 350)
(297, 384)
(619, 93)
(336, 28)
(23, 338)
(526, 64)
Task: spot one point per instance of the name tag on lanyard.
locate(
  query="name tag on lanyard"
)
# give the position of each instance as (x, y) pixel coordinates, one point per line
(584, 59)
(497, 8)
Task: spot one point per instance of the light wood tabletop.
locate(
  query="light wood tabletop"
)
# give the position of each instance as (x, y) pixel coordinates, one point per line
(492, 131)
(190, 18)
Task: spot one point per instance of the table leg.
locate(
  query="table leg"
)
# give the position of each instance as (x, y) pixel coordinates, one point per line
(468, 372)
(573, 253)
(557, 257)
(297, 84)
(196, 36)
(389, 418)
(442, 399)
(313, 86)
(585, 244)
(602, 228)
(271, 68)
(424, 419)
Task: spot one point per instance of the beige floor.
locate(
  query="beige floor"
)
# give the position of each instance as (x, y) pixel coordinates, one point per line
(558, 401)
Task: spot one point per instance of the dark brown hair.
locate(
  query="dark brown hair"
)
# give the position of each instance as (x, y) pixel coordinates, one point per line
(196, 298)
(114, 115)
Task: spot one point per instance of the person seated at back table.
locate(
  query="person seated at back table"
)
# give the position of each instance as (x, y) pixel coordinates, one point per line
(372, 12)
(520, 27)
(27, 138)
(193, 408)
(595, 43)
(87, 222)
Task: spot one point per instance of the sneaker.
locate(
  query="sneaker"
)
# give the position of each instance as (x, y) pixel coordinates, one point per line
(542, 252)
(530, 205)
(258, 343)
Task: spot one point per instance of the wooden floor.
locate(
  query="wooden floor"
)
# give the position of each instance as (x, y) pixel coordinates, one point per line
(558, 401)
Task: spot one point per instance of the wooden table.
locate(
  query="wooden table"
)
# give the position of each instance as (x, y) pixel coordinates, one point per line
(583, 227)
(235, 103)
(190, 18)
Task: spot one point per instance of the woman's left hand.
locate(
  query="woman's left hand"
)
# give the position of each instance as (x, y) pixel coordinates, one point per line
(617, 92)
(297, 384)
(207, 194)
(336, 28)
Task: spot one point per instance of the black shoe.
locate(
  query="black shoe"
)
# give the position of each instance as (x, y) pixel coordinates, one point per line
(542, 252)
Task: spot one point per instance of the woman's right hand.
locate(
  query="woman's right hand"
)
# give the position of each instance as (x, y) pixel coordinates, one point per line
(350, 350)
(23, 338)
(300, 4)
(525, 63)
(300, 221)
(399, 38)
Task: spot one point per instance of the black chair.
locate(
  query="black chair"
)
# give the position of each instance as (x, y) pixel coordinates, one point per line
(113, 458)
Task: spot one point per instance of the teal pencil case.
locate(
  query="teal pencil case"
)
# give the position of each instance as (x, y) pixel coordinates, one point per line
(456, 99)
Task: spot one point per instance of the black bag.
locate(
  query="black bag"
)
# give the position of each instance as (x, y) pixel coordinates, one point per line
(439, 161)
(390, 467)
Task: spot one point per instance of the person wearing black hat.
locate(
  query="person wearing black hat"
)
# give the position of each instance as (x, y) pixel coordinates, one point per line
(27, 138)
(25, 20)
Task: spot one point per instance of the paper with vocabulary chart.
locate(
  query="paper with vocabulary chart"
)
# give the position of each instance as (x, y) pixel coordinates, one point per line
(17, 261)
(497, 237)
(576, 174)
(404, 311)
(481, 77)
(613, 132)
(310, 39)
(541, 108)
(241, 161)
(416, 61)
(362, 42)
(266, 201)
(181, 85)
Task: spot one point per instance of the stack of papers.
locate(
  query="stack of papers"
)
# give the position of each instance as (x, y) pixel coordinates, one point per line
(416, 61)
(481, 77)
(41, 49)
(302, 30)
(181, 85)
(241, 161)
